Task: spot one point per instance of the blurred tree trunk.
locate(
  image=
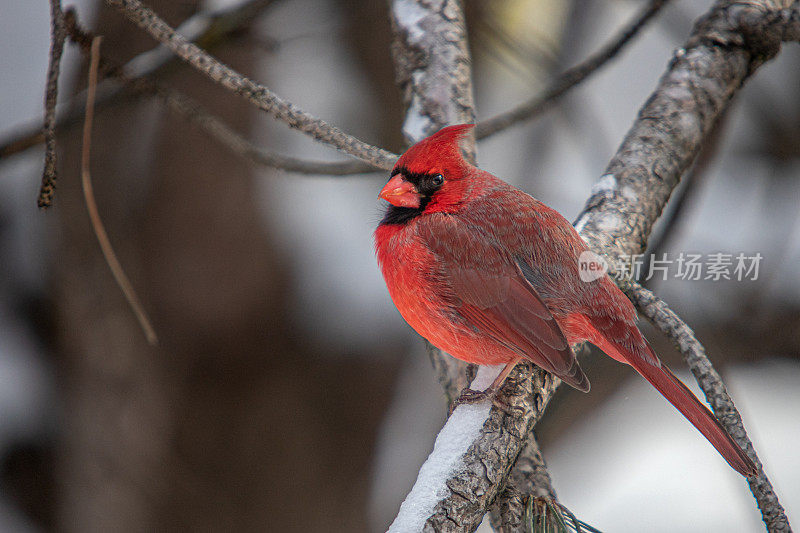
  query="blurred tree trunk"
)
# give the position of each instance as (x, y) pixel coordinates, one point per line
(231, 423)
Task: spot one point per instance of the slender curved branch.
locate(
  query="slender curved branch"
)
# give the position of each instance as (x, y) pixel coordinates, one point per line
(257, 94)
(91, 205)
(570, 78)
(57, 37)
(725, 47)
(211, 124)
(208, 30)
(657, 311)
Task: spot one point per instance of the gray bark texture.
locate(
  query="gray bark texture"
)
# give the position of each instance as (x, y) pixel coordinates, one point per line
(667, 321)
(257, 94)
(433, 71)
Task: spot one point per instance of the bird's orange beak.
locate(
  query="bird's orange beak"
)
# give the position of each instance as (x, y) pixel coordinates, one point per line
(400, 192)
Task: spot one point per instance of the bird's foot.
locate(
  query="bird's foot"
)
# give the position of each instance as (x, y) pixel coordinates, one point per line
(470, 396)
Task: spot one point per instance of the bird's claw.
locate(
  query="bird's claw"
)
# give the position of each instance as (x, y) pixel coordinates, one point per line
(471, 396)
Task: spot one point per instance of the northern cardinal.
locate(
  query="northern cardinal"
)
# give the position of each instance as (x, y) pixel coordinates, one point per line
(490, 275)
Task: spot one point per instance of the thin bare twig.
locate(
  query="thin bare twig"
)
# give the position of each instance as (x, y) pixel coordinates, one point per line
(569, 78)
(657, 311)
(185, 106)
(57, 36)
(91, 206)
(211, 124)
(256, 93)
(221, 25)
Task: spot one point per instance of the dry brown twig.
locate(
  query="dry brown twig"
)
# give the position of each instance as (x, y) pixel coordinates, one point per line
(91, 206)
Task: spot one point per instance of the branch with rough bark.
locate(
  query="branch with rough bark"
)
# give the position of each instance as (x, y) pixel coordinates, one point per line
(726, 46)
(258, 94)
(657, 311)
(207, 29)
(214, 126)
(57, 37)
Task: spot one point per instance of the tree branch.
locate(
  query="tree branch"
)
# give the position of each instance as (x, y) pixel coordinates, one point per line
(528, 478)
(57, 36)
(208, 30)
(257, 94)
(192, 111)
(91, 206)
(657, 311)
(432, 66)
(725, 47)
(570, 78)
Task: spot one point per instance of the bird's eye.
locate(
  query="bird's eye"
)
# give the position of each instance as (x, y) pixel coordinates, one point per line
(437, 180)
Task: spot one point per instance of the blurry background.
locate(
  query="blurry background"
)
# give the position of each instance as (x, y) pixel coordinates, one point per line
(287, 394)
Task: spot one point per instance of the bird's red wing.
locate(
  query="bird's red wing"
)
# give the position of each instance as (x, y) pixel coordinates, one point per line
(492, 295)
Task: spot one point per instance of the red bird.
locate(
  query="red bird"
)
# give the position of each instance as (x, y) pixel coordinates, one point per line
(490, 275)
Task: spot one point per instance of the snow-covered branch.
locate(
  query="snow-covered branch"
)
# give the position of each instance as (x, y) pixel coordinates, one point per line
(474, 453)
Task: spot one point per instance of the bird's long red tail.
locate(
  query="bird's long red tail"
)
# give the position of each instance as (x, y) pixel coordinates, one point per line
(698, 414)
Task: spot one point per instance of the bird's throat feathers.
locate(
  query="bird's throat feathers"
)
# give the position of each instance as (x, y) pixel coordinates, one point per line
(438, 154)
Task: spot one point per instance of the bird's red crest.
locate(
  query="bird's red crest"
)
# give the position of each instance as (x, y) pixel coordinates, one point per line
(440, 150)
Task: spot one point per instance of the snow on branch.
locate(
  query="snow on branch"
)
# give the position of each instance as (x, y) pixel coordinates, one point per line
(474, 453)
(726, 46)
